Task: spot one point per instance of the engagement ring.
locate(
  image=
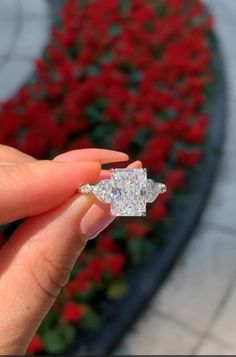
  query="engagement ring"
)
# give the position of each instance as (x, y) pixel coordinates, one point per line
(127, 191)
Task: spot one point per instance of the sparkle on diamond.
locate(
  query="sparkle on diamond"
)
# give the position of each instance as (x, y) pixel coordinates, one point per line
(103, 191)
(128, 196)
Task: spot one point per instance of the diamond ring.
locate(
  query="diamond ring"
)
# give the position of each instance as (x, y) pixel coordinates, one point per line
(127, 191)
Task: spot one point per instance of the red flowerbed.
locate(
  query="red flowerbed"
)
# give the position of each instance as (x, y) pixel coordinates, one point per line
(131, 75)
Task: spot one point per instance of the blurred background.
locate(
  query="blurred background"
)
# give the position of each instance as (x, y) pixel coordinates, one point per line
(194, 312)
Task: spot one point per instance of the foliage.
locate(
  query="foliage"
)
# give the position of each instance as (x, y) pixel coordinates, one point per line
(130, 75)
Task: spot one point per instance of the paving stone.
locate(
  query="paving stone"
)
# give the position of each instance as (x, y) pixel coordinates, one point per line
(195, 289)
(221, 207)
(159, 336)
(220, 11)
(230, 7)
(12, 75)
(7, 34)
(230, 146)
(214, 347)
(8, 7)
(34, 7)
(224, 326)
(33, 37)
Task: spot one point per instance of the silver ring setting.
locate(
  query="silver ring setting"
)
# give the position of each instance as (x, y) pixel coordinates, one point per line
(127, 191)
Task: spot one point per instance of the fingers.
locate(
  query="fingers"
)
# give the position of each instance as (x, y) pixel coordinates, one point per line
(10, 154)
(42, 251)
(35, 264)
(98, 217)
(32, 188)
(27, 192)
(101, 155)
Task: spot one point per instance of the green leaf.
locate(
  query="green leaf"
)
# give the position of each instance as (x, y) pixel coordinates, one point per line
(99, 104)
(92, 115)
(92, 70)
(115, 29)
(118, 233)
(90, 320)
(126, 67)
(102, 135)
(117, 290)
(148, 26)
(58, 339)
(74, 51)
(49, 321)
(180, 200)
(106, 56)
(138, 249)
(53, 343)
(141, 137)
(68, 332)
(124, 7)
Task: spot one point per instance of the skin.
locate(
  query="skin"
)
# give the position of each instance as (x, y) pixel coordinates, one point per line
(36, 262)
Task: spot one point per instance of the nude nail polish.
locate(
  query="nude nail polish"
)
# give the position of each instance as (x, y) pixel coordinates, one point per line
(95, 220)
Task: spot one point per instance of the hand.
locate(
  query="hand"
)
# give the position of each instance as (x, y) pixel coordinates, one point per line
(36, 262)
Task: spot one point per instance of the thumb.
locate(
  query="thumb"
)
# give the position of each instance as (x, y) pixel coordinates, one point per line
(35, 265)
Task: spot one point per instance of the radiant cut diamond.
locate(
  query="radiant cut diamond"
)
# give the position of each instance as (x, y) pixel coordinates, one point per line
(128, 187)
(128, 191)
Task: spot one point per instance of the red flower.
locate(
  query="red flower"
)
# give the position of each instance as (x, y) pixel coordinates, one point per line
(195, 134)
(157, 212)
(106, 244)
(175, 179)
(73, 312)
(80, 143)
(188, 159)
(136, 228)
(123, 138)
(114, 264)
(96, 269)
(35, 345)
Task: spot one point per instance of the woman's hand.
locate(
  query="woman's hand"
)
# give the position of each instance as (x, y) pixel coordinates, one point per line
(36, 262)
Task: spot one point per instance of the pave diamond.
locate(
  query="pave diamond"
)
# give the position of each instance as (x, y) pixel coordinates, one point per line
(103, 191)
(128, 186)
(153, 190)
(85, 188)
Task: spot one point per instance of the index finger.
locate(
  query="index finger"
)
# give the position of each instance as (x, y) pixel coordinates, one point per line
(33, 188)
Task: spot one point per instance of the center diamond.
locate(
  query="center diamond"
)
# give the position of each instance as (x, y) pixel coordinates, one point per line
(128, 196)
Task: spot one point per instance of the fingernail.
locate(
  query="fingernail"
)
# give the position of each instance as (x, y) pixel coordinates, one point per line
(95, 220)
(102, 155)
(105, 175)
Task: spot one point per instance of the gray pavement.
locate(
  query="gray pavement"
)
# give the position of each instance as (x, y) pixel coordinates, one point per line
(24, 32)
(195, 311)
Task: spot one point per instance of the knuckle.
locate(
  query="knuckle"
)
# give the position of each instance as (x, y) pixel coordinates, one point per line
(49, 275)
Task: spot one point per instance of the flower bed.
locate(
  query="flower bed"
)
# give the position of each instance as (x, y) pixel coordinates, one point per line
(132, 76)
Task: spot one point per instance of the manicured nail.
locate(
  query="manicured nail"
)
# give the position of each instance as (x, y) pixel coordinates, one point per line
(106, 174)
(95, 220)
(102, 155)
